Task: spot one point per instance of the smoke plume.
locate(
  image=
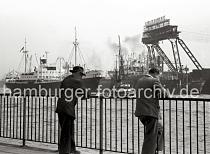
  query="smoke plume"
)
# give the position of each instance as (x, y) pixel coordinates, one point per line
(114, 46)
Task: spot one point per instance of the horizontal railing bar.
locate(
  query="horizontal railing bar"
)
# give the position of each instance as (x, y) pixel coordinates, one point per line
(103, 97)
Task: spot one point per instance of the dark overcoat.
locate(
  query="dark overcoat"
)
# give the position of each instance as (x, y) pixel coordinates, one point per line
(148, 91)
(67, 100)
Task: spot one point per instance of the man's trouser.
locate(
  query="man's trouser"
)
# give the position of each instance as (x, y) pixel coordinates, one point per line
(67, 143)
(150, 134)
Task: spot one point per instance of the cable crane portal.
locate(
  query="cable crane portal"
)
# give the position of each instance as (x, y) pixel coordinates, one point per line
(159, 30)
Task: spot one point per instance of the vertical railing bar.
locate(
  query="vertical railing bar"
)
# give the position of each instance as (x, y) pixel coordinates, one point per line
(24, 120)
(47, 110)
(17, 128)
(51, 99)
(43, 101)
(21, 108)
(7, 116)
(127, 124)
(121, 125)
(0, 114)
(110, 123)
(81, 108)
(28, 109)
(35, 122)
(115, 124)
(13, 131)
(3, 116)
(163, 126)
(58, 124)
(183, 127)
(39, 135)
(91, 122)
(77, 132)
(177, 149)
(55, 119)
(3, 127)
(197, 126)
(170, 126)
(105, 124)
(101, 126)
(86, 122)
(14, 115)
(132, 128)
(58, 127)
(190, 126)
(32, 105)
(95, 123)
(20, 116)
(10, 117)
(52, 123)
(138, 137)
(204, 126)
(4, 121)
(29, 117)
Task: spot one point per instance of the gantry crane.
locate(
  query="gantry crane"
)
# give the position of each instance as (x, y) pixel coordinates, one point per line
(159, 30)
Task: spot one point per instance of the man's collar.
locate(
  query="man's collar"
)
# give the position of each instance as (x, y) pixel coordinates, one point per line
(149, 75)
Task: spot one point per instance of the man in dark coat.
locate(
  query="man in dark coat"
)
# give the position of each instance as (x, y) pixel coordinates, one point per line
(148, 90)
(69, 88)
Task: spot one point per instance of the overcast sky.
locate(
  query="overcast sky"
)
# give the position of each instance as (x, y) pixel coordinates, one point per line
(48, 25)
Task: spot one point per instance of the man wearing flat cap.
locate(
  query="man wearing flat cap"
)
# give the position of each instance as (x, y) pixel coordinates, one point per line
(66, 109)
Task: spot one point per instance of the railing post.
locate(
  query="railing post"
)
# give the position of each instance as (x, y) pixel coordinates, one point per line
(101, 125)
(24, 120)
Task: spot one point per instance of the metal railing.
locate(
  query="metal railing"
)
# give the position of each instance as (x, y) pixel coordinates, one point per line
(108, 124)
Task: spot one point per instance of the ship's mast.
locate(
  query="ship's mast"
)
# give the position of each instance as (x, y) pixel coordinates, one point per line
(75, 46)
(121, 69)
(119, 57)
(116, 71)
(25, 54)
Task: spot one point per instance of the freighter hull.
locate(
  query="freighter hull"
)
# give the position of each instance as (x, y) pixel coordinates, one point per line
(34, 88)
(52, 87)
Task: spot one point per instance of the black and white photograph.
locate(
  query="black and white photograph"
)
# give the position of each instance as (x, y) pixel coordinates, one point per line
(104, 77)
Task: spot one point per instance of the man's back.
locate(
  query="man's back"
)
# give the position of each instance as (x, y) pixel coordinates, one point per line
(147, 89)
(67, 101)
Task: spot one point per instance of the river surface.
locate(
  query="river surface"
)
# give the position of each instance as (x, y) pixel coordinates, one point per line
(183, 124)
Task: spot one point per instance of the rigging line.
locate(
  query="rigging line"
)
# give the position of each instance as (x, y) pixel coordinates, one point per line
(36, 59)
(71, 55)
(20, 63)
(85, 64)
(81, 55)
(82, 59)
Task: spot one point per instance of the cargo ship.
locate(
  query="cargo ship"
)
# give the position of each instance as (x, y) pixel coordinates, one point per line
(46, 78)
